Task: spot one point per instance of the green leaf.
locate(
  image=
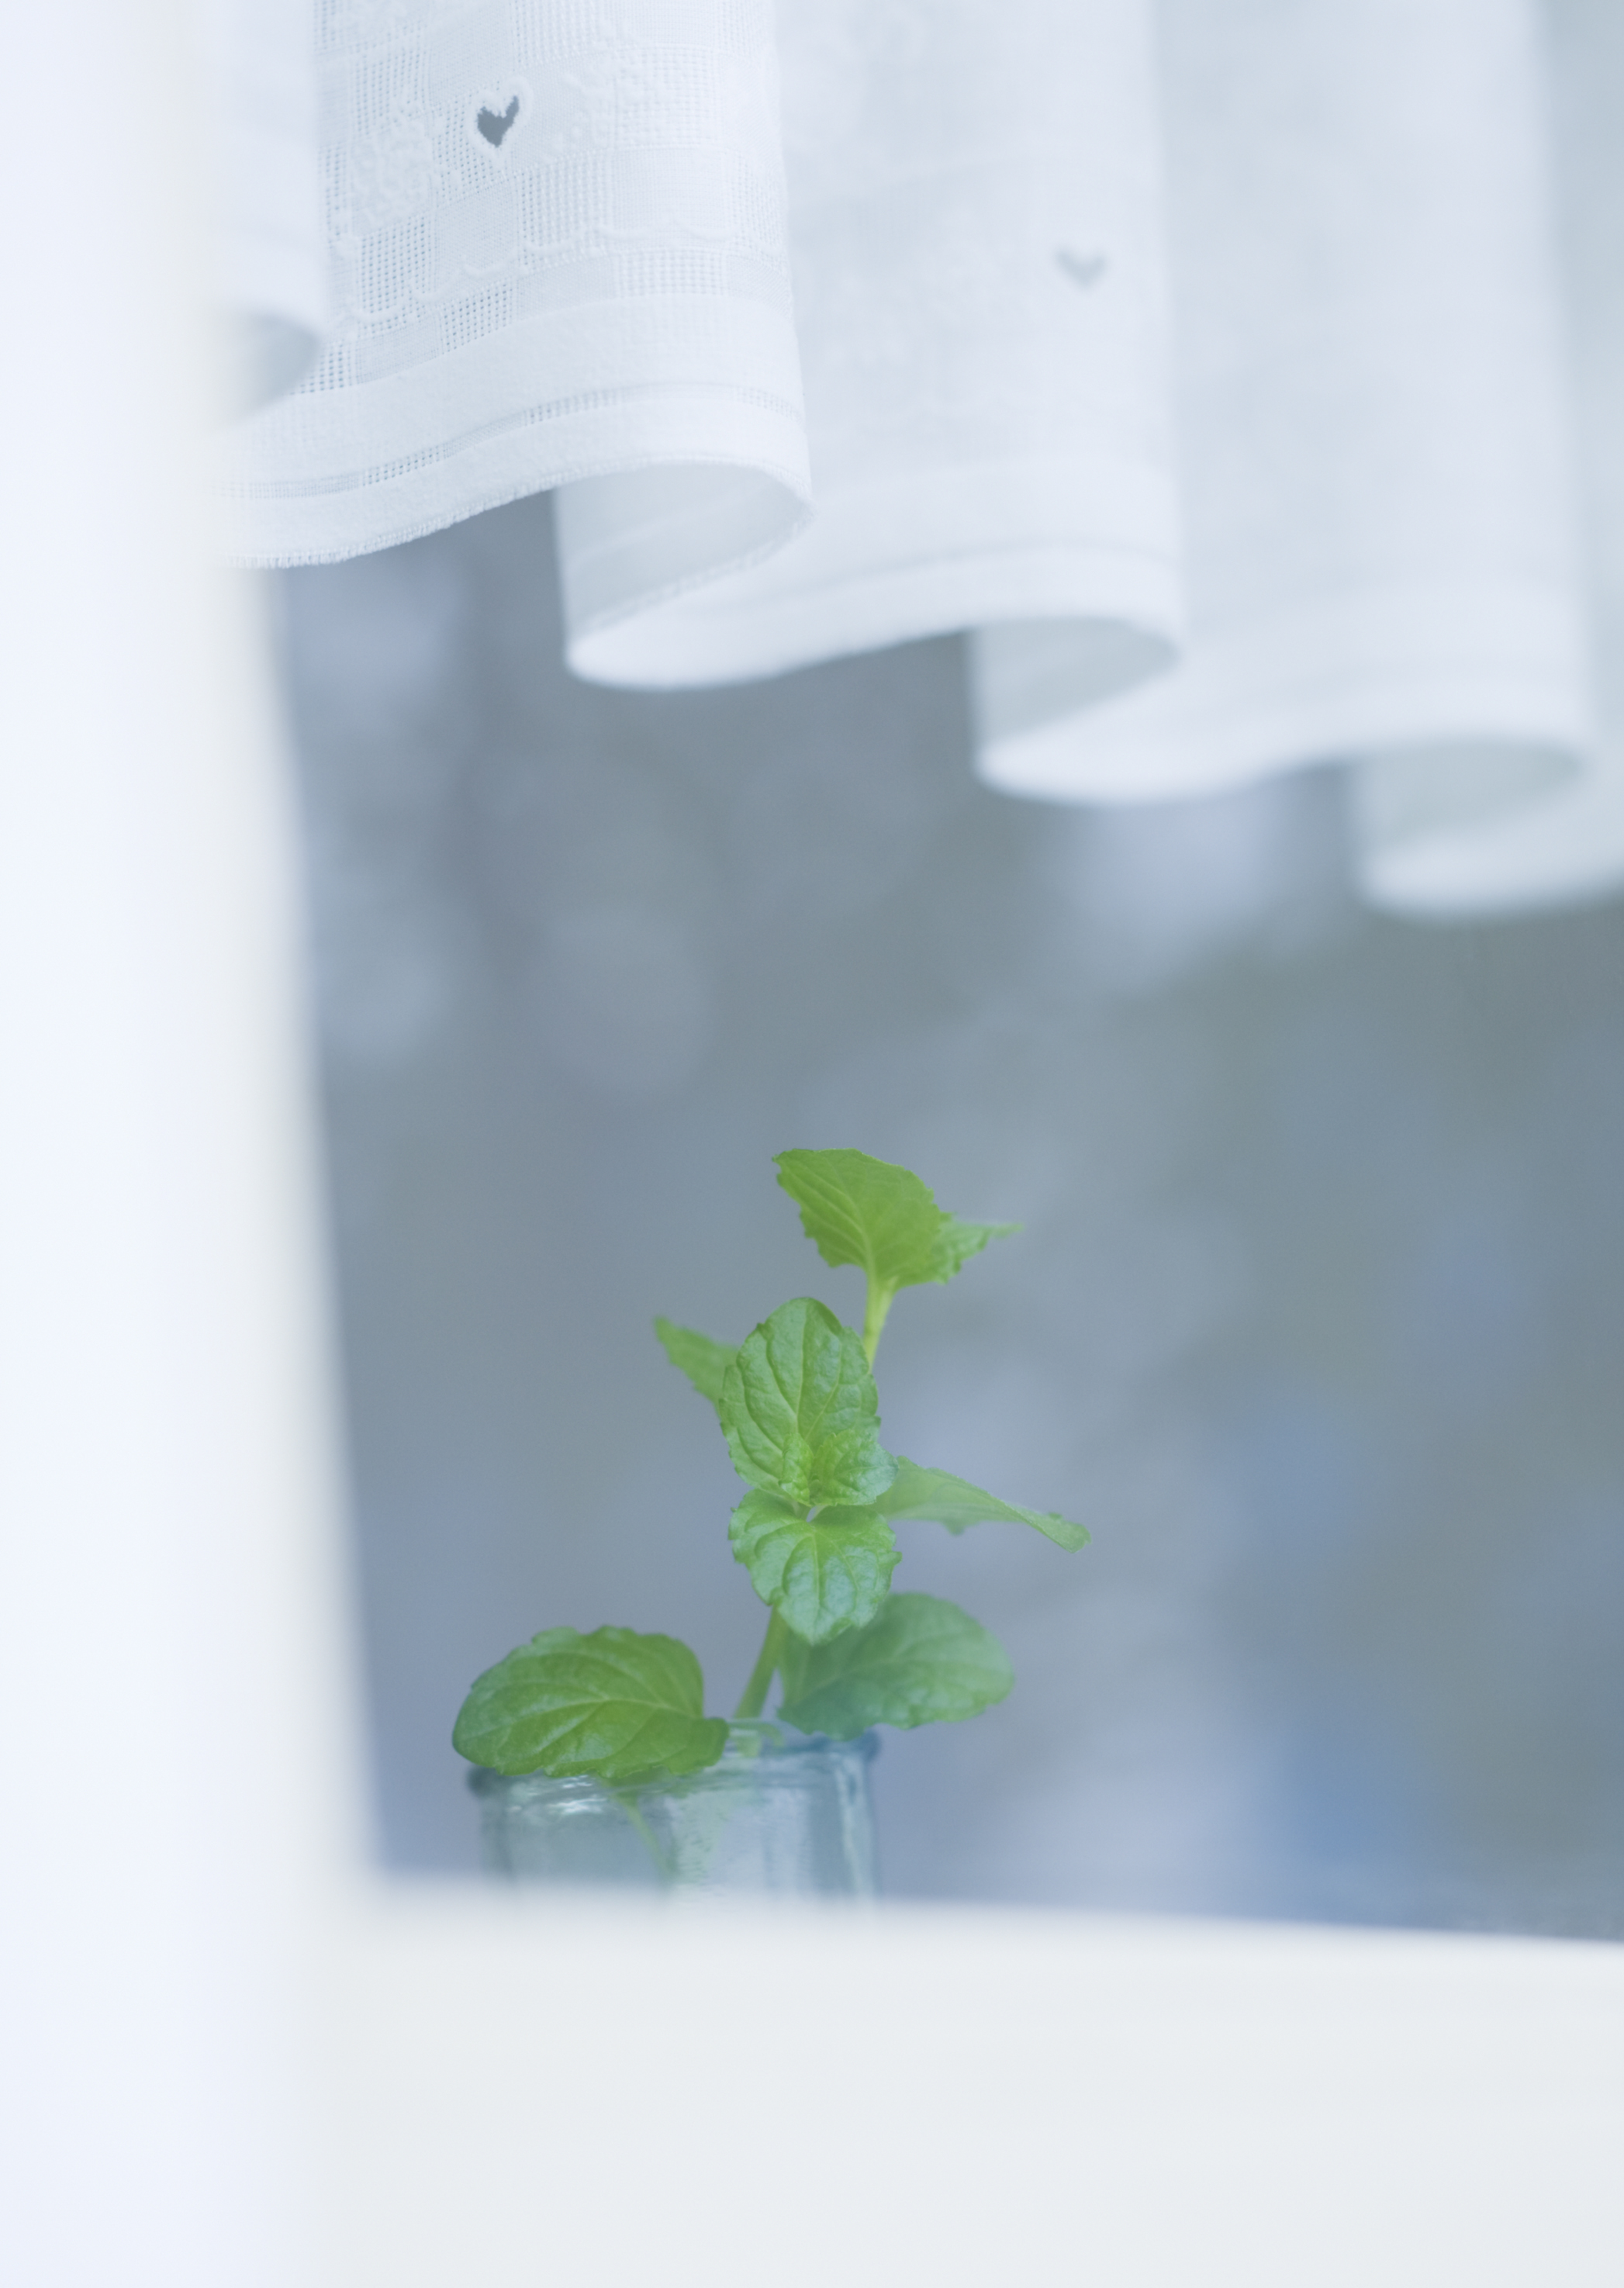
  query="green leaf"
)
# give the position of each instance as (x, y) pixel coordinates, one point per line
(919, 1661)
(613, 1704)
(867, 1211)
(880, 1218)
(800, 1409)
(704, 1363)
(955, 1503)
(957, 1241)
(823, 1573)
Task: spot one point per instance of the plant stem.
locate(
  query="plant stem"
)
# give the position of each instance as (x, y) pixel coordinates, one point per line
(628, 1801)
(766, 1660)
(876, 1302)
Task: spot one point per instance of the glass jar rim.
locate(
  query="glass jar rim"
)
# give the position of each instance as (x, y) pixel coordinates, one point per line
(735, 1758)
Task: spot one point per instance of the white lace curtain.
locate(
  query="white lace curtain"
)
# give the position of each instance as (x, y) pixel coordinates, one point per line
(1245, 375)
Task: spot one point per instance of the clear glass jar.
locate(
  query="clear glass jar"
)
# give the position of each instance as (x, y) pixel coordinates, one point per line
(789, 1815)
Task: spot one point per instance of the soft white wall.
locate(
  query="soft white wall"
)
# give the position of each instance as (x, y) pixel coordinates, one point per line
(172, 1718)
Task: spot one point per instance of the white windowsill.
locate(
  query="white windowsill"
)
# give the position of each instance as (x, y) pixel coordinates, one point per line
(596, 2092)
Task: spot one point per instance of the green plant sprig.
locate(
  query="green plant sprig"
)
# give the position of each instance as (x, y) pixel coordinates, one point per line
(798, 1405)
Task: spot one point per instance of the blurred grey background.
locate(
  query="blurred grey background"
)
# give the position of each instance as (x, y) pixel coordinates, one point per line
(1317, 1319)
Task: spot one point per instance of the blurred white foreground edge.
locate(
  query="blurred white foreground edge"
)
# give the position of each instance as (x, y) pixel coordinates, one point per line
(602, 2095)
(232, 2054)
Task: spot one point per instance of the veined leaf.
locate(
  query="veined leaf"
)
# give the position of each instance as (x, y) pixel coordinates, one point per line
(881, 1217)
(956, 1504)
(800, 1411)
(870, 1213)
(823, 1573)
(612, 1704)
(919, 1661)
(703, 1361)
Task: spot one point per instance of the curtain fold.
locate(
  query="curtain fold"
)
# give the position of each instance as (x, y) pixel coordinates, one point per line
(558, 253)
(1372, 433)
(975, 243)
(1236, 373)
